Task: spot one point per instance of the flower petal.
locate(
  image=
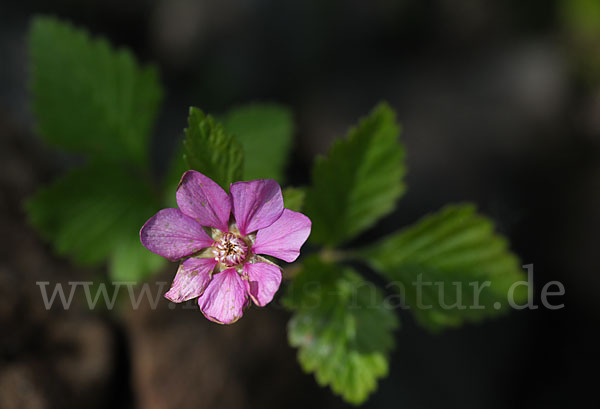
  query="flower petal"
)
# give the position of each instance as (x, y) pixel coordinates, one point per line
(204, 200)
(193, 275)
(263, 282)
(283, 238)
(172, 234)
(256, 204)
(225, 297)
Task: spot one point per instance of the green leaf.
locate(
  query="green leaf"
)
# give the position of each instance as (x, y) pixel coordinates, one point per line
(293, 198)
(454, 248)
(342, 328)
(95, 213)
(265, 133)
(130, 261)
(177, 167)
(211, 151)
(359, 181)
(88, 97)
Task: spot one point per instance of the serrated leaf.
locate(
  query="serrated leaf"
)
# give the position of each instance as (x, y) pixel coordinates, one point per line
(341, 327)
(359, 181)
(90, 213)
(88, 97)
(265, 133)
(293, 198)
(454, 248)
(211, 151)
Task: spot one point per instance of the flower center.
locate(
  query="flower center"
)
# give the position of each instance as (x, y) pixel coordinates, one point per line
(230, 250)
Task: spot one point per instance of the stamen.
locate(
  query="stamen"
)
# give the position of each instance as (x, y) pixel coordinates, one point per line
(230, 250)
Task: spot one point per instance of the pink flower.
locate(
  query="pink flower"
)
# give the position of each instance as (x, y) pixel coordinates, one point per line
(219, 238)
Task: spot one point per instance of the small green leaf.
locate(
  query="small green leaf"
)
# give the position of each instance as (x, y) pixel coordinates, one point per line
(88, 97)
(265, 133)
(359, 181)
(293, 198)
(95, 213)
(211, 151)
(342, 328)
(453, 253)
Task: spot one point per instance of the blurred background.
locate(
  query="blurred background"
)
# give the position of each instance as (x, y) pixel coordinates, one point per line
(500, 105)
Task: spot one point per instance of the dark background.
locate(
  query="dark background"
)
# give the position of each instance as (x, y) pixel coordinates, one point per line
(500, 105)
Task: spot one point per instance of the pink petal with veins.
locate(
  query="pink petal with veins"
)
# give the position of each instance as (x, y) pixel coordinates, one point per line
(204, 200)
(224, 298)
(256, 204)
(193, 275)
(172, 234)
(284, 238)
(263, 282)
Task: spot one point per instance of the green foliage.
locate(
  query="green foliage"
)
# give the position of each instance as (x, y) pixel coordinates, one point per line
(581, 22)
(293, 198)
(93, 100)
(177, 167)
(89, 213)
(89, 98)
(342, 328)
(581, 17)
(359, 181)
(211, 151)
(355, 185)
(455, 245)
(265, 133)
(130, 261)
